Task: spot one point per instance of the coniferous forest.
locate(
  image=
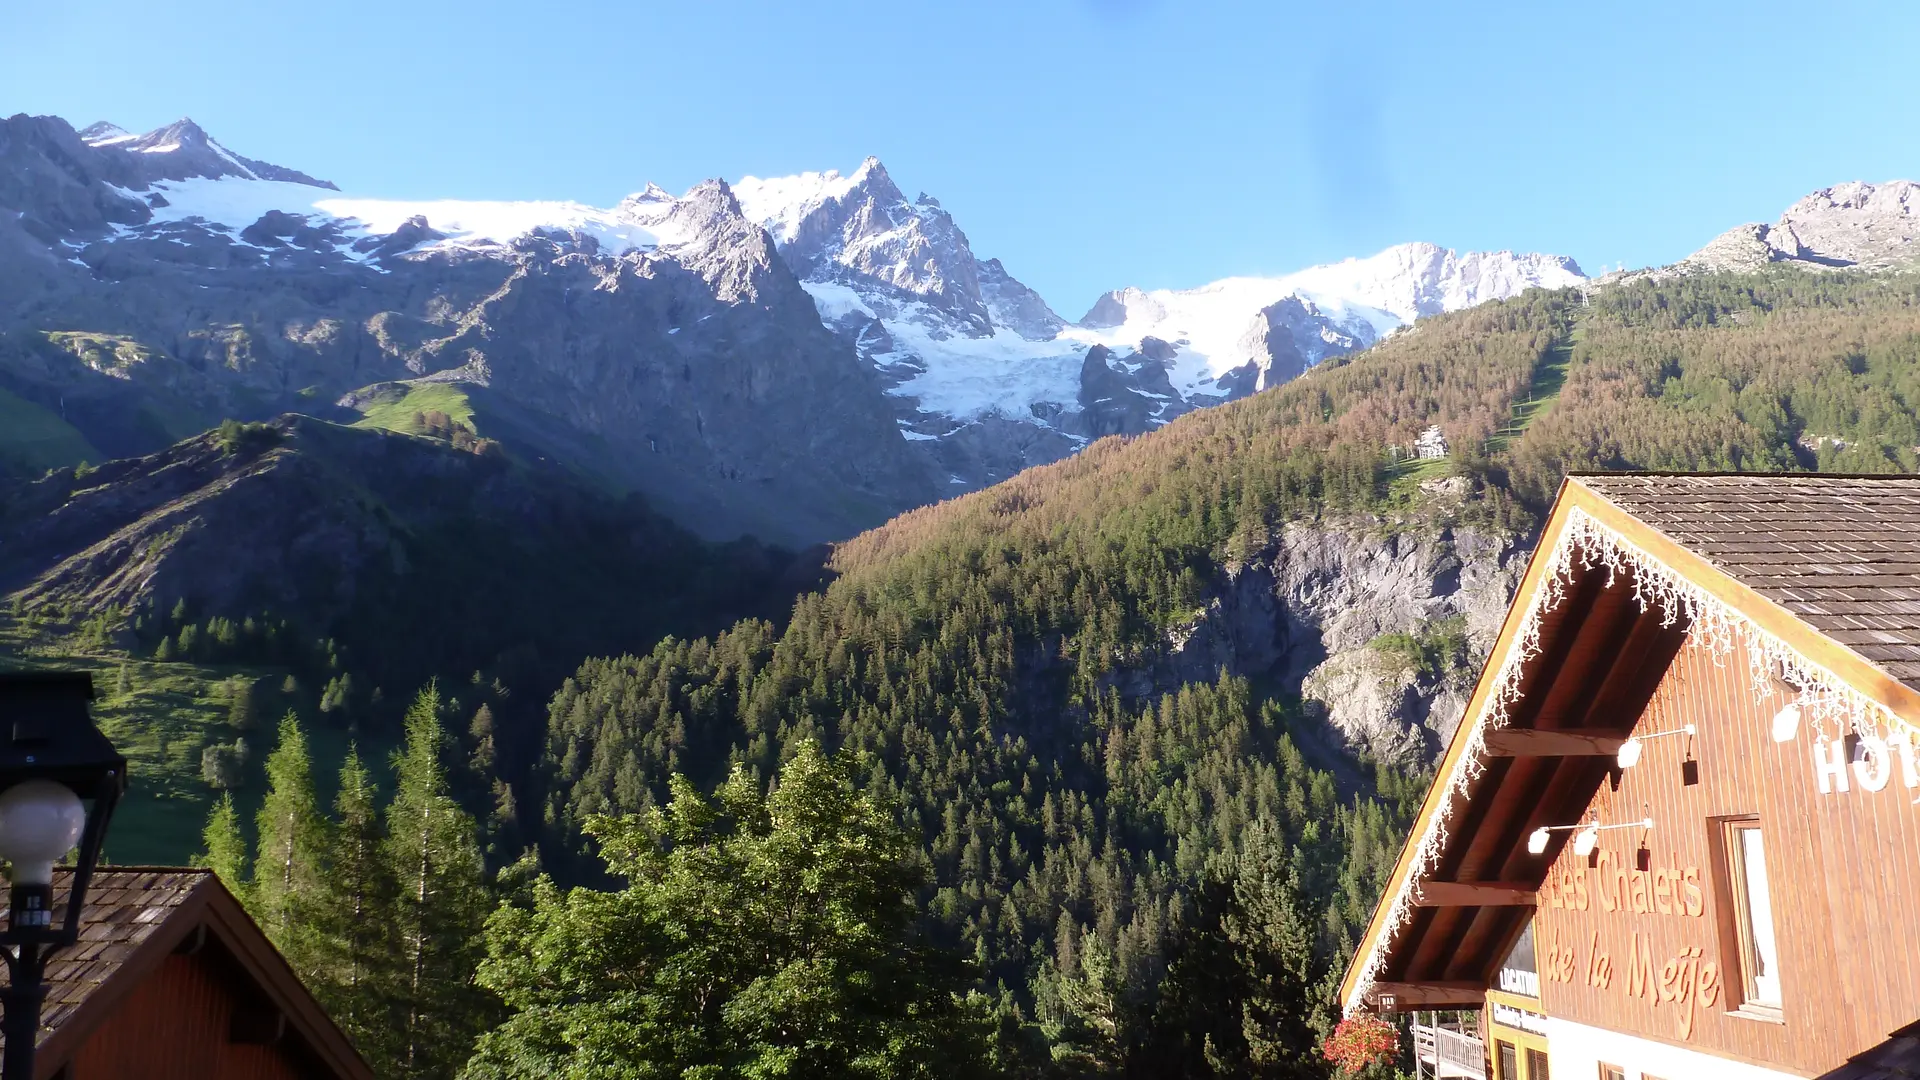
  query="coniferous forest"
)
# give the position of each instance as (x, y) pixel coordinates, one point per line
(925, 820)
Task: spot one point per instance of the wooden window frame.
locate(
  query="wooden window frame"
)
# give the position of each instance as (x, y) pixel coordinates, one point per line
(1609, 1071)
(1500, 1071)
(1736, 919)
(1534, 1056)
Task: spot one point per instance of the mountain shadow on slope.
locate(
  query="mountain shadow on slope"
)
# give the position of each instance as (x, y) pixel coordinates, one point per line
(417, 558)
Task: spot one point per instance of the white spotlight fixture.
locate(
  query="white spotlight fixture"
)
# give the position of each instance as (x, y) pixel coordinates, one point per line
(1585, 839)
(1630, 751)
(1786, 723)
(1629, 755)
(1537, 840)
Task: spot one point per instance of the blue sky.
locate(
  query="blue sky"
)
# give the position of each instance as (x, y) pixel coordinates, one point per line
(1088, 143)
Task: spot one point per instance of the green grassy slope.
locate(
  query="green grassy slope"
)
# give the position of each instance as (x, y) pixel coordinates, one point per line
(398, 406)
(33, 439)
(163, 716)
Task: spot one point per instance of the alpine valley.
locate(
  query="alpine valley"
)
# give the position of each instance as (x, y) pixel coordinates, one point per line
(663, 565)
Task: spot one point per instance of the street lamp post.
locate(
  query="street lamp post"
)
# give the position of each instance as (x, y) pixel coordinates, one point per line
(59, 781)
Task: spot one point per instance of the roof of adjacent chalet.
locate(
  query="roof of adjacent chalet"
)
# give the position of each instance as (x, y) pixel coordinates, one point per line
(135, 917)
(124, 909)
(1827, 565)
(1896, 1059)
(1842, 553)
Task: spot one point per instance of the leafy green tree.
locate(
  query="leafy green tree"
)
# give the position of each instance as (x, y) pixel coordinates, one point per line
(288, 870)
(224, 765)
(756, 937)
(432, 855)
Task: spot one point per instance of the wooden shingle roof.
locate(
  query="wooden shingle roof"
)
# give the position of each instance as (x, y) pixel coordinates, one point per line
(1841, 553)
(124, 909)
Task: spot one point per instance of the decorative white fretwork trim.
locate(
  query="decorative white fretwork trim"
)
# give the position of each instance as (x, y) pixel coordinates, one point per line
(1585, 544)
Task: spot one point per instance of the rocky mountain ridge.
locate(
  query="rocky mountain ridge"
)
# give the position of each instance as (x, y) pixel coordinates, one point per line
(798, 358)
(160, 283)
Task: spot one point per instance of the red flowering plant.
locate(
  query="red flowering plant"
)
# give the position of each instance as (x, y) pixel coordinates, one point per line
(1360, 1041)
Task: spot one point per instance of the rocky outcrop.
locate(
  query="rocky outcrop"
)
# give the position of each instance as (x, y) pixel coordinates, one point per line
(1382, 631)
(1872, 226)
(1123, 395)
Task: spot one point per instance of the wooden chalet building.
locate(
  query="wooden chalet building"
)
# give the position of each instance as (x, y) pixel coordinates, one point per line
(1676, 835)
(171, 980)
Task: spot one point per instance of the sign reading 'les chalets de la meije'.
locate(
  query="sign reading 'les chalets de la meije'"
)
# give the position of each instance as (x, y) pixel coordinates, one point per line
(1687, 982)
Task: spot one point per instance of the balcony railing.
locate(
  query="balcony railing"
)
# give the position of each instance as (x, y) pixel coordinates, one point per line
(1444, 1052)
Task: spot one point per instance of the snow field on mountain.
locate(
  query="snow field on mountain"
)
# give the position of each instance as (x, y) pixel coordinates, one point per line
(233, 203)
(1213, 325)
(966, 378)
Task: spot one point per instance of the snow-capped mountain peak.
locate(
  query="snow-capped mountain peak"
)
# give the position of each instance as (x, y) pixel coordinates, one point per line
(1244, 333)
(967, 348)
(860, 230)
(183, 150)
(105, 134)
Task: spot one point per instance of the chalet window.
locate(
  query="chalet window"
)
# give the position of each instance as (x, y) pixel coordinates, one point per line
(1612, 1072)
(1509, 1063)
(1536, 1065)
(1753, 915)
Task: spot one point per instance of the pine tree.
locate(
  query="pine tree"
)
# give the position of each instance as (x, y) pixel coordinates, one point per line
(292, 842)
(226, 849)
(240, 713)
(353, 918)
(1286, 1010)
(431, 852)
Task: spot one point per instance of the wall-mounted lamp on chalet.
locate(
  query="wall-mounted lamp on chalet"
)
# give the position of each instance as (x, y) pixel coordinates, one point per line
(1786, 723)
(1585, 842)
(1631, 750)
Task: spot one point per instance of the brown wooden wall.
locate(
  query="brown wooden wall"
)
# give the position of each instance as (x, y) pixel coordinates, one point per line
(1844, 870)
(177, 1025)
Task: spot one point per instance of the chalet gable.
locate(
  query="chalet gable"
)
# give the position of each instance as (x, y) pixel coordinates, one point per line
(1807, 586)
(171, 977)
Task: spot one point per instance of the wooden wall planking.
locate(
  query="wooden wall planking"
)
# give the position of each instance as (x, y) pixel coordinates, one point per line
(176, 1026)
(1844, 870)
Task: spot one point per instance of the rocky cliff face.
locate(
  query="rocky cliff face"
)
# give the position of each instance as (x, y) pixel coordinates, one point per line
(1383, 632)
(1855, 224)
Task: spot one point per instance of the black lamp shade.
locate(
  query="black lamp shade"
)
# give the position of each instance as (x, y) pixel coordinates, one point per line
(47, 733)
